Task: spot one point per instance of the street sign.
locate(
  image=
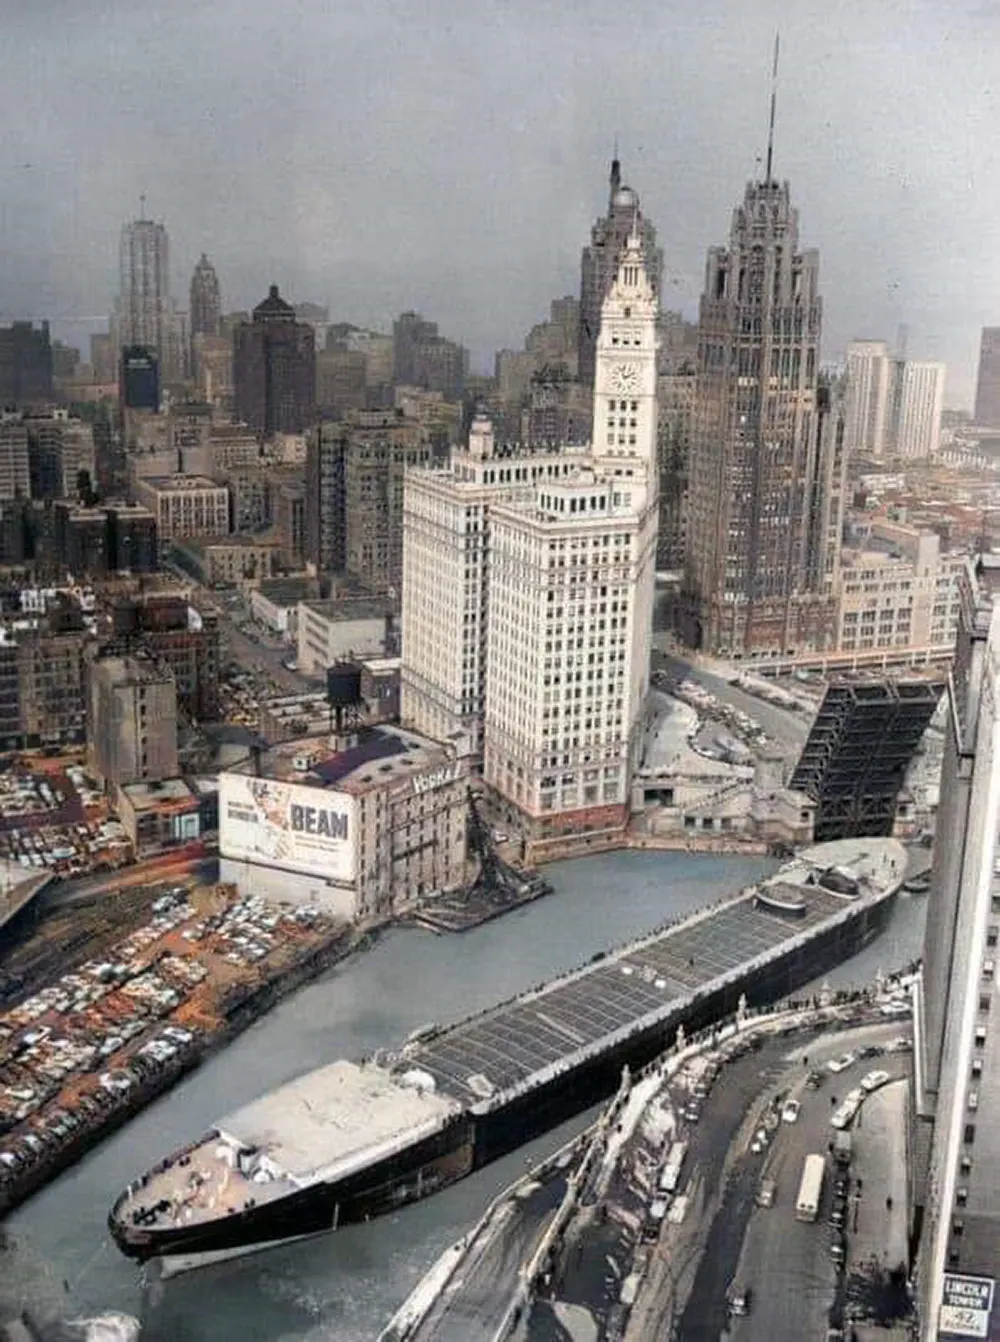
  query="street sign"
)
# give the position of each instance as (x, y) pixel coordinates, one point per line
(966, 1304)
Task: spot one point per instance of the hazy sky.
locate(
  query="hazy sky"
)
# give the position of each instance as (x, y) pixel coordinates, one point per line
(451, 155)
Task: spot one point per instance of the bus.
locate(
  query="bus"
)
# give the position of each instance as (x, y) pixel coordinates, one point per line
(810, 1189)
(671, 1175)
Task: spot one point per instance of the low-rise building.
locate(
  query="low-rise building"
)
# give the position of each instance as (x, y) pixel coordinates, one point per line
(275, 603)
(344, 628)
(185, 505)
(228, 561)
(903, 595)
(158, 815)
(360, 824)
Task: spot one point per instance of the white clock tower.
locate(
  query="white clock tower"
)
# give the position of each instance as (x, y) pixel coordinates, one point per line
(624, 431)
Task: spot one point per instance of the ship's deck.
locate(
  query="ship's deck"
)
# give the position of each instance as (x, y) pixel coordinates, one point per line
(317, 1126)
(511, 1043)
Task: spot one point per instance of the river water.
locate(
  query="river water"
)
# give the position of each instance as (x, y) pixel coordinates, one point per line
(346, 1285)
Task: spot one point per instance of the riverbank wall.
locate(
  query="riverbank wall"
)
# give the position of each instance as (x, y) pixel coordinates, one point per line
(586, 845)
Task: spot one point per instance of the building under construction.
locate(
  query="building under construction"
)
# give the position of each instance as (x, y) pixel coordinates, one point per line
(859, 749)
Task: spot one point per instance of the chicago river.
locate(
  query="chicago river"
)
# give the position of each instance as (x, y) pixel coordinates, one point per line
(346, 1285)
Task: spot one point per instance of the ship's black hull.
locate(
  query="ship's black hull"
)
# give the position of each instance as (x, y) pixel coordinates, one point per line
(475, 1139)
(408, 1176)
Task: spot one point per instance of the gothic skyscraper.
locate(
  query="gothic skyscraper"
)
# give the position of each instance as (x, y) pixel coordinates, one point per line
(762, 511)
(599, 263)
(205, 310)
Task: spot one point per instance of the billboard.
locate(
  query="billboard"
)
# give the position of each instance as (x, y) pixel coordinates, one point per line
(966, 1306)
(275, 824)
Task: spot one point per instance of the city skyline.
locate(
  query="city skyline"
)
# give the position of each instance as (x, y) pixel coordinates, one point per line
(348, 210)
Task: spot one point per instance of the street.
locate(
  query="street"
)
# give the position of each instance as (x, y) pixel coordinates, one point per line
(475, 1305)
(787, 729)
(787, 1262)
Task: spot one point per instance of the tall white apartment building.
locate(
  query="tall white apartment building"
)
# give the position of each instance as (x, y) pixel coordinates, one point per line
(528, 586)
(868, 367)
(917, 402)
(958, 1030)
(893, 406)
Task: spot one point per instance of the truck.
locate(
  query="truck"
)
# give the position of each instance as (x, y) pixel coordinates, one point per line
(810, 1189)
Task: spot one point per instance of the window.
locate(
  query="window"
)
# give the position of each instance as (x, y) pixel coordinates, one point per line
(969, 1135)
(961, 1196)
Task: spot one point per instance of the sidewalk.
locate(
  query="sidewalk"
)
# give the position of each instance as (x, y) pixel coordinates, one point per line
(878, 1232)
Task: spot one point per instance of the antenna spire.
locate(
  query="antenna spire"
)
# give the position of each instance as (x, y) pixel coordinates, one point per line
(142, 206)
(774, 96)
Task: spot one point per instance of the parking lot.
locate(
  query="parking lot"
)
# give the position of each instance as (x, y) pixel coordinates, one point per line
(54, 818)
(84, 1041)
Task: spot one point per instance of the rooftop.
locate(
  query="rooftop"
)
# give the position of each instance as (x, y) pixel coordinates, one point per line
(172, 793)
(350, 608)
(180, 482)
(382, 755)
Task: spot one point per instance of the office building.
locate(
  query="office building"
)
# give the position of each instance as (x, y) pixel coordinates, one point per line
(139, 379)
(168, 629)
(571, 596)
(958, 1072)
(134, 545)
(759, 522)
(103, 358)
(868, 378)
(896, 589)
(82, 540)
(528, 593)
(228, 561)
(560, 409)
(61, 456)
(379, 447)
(213, 369)
(423, 358)
(325, 515)
(987, 411)
(144, 314)
(274, 369)
(341, 381)
(205, 303)
(42, 684)
(446, 538)
(599, 264)
(675, 409)
(132, 721)
(343, 629)
(289, 515)
(26, 368)
(15, 466)
(185, 505)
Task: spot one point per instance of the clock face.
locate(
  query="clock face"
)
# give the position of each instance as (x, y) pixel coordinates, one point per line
(625, 378)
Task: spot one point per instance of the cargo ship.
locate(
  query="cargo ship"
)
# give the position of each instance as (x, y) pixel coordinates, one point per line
(353, 1140)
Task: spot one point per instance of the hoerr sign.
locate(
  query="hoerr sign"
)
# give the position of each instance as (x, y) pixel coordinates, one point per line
(287, 825)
